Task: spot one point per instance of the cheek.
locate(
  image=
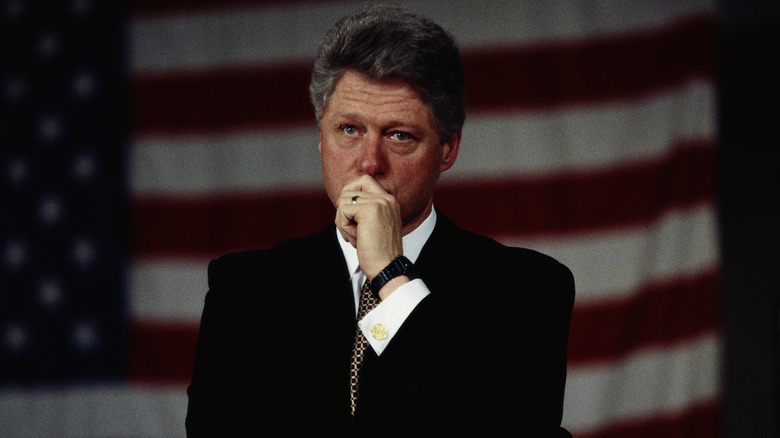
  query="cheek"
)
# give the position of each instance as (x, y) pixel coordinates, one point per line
(335, 171)
(336, 161)
(417, 179)
(330, 173)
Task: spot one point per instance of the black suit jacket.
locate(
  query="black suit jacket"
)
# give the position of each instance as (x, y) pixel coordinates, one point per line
(483, 355)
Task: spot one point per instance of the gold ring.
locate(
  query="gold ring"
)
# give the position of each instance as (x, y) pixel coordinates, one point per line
(354, 199)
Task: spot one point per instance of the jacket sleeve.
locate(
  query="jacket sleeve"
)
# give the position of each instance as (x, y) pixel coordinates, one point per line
(218, 391)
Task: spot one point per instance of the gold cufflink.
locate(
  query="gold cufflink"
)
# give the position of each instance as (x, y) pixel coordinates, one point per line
(379, 331)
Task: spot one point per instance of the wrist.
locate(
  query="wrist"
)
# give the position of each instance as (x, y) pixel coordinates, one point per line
(394, 272)
(376, 268)
(392, 285)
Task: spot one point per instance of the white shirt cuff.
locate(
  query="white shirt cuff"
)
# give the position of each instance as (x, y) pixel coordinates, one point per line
(383, 322)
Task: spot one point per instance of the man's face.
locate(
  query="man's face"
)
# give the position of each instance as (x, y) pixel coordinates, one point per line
(384, 130)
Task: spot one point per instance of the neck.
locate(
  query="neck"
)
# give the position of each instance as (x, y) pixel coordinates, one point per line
(412, 225)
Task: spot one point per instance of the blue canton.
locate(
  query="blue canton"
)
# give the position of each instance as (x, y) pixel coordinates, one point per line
(63, 199)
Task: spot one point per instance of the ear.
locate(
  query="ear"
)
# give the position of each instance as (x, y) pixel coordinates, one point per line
(450, 151)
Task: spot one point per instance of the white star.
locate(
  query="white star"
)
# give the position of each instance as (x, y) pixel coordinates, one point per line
(84, 85)
(50, 293)
(84, 253)
(50, 210)
(84, 167)
(16, 337)
(48, 44)
(80, 8)
(15, 254)
(18, 171)
(14, 9)
(49, 128)
(85, 336)
(15, 88)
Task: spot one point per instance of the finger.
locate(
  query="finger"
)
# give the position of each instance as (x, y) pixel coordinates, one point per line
(348, 237)
(346, 226)
(364, 184)
(346, 213)
(351, 200)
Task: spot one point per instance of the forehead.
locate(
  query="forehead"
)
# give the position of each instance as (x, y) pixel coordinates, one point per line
(356, 93)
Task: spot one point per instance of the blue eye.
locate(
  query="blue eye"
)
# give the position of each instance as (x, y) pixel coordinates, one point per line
(401, 136)
(350, 130)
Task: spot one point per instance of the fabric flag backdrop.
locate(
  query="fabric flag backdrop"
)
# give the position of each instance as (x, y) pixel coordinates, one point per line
(591, 136)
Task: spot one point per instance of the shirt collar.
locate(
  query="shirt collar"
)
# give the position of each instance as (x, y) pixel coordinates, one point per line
(412, 243)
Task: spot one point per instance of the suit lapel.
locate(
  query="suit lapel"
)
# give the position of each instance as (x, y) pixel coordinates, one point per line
(326, 279)
(323, 320)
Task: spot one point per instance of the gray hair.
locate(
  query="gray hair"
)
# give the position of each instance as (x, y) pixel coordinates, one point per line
(384, 42)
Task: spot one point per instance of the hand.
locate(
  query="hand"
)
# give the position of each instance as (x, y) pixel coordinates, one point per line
(372, 224)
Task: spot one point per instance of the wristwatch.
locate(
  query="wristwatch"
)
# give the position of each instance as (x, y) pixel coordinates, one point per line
(399, 266)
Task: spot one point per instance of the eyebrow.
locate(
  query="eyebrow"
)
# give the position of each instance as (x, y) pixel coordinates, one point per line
(392, 122)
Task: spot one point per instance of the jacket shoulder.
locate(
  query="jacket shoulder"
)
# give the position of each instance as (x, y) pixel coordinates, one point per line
(456, 257)
(277, 260)
(485, 250)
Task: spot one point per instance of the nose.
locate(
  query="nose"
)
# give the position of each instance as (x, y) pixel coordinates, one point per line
(373, 160)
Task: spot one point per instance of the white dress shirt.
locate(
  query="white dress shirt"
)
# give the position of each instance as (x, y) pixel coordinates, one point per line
(391, 313)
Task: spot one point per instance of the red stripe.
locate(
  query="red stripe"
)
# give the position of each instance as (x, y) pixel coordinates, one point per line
(222, 100)
(592, 71)
(703, 420)
(659, 315)
(598, 200)
(175, 227)
(162, 352)
(632, 194)
(654, 316)
(517, 78)
(158, 7)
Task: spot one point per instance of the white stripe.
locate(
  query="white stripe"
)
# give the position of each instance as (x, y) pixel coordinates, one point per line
(655, 382)
(167, 290)
(586, 138)
(208, 40)
(93, 411)
(609, 265)
(495, 145)
(238, 162)
(617, 263)
(652, 382)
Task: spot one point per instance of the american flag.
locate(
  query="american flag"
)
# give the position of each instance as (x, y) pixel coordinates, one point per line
(590, 136)
(63, 316)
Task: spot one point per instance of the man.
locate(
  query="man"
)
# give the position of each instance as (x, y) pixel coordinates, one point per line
(468, 337)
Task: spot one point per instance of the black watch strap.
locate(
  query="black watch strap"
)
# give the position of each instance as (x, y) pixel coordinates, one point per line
(399, 266)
